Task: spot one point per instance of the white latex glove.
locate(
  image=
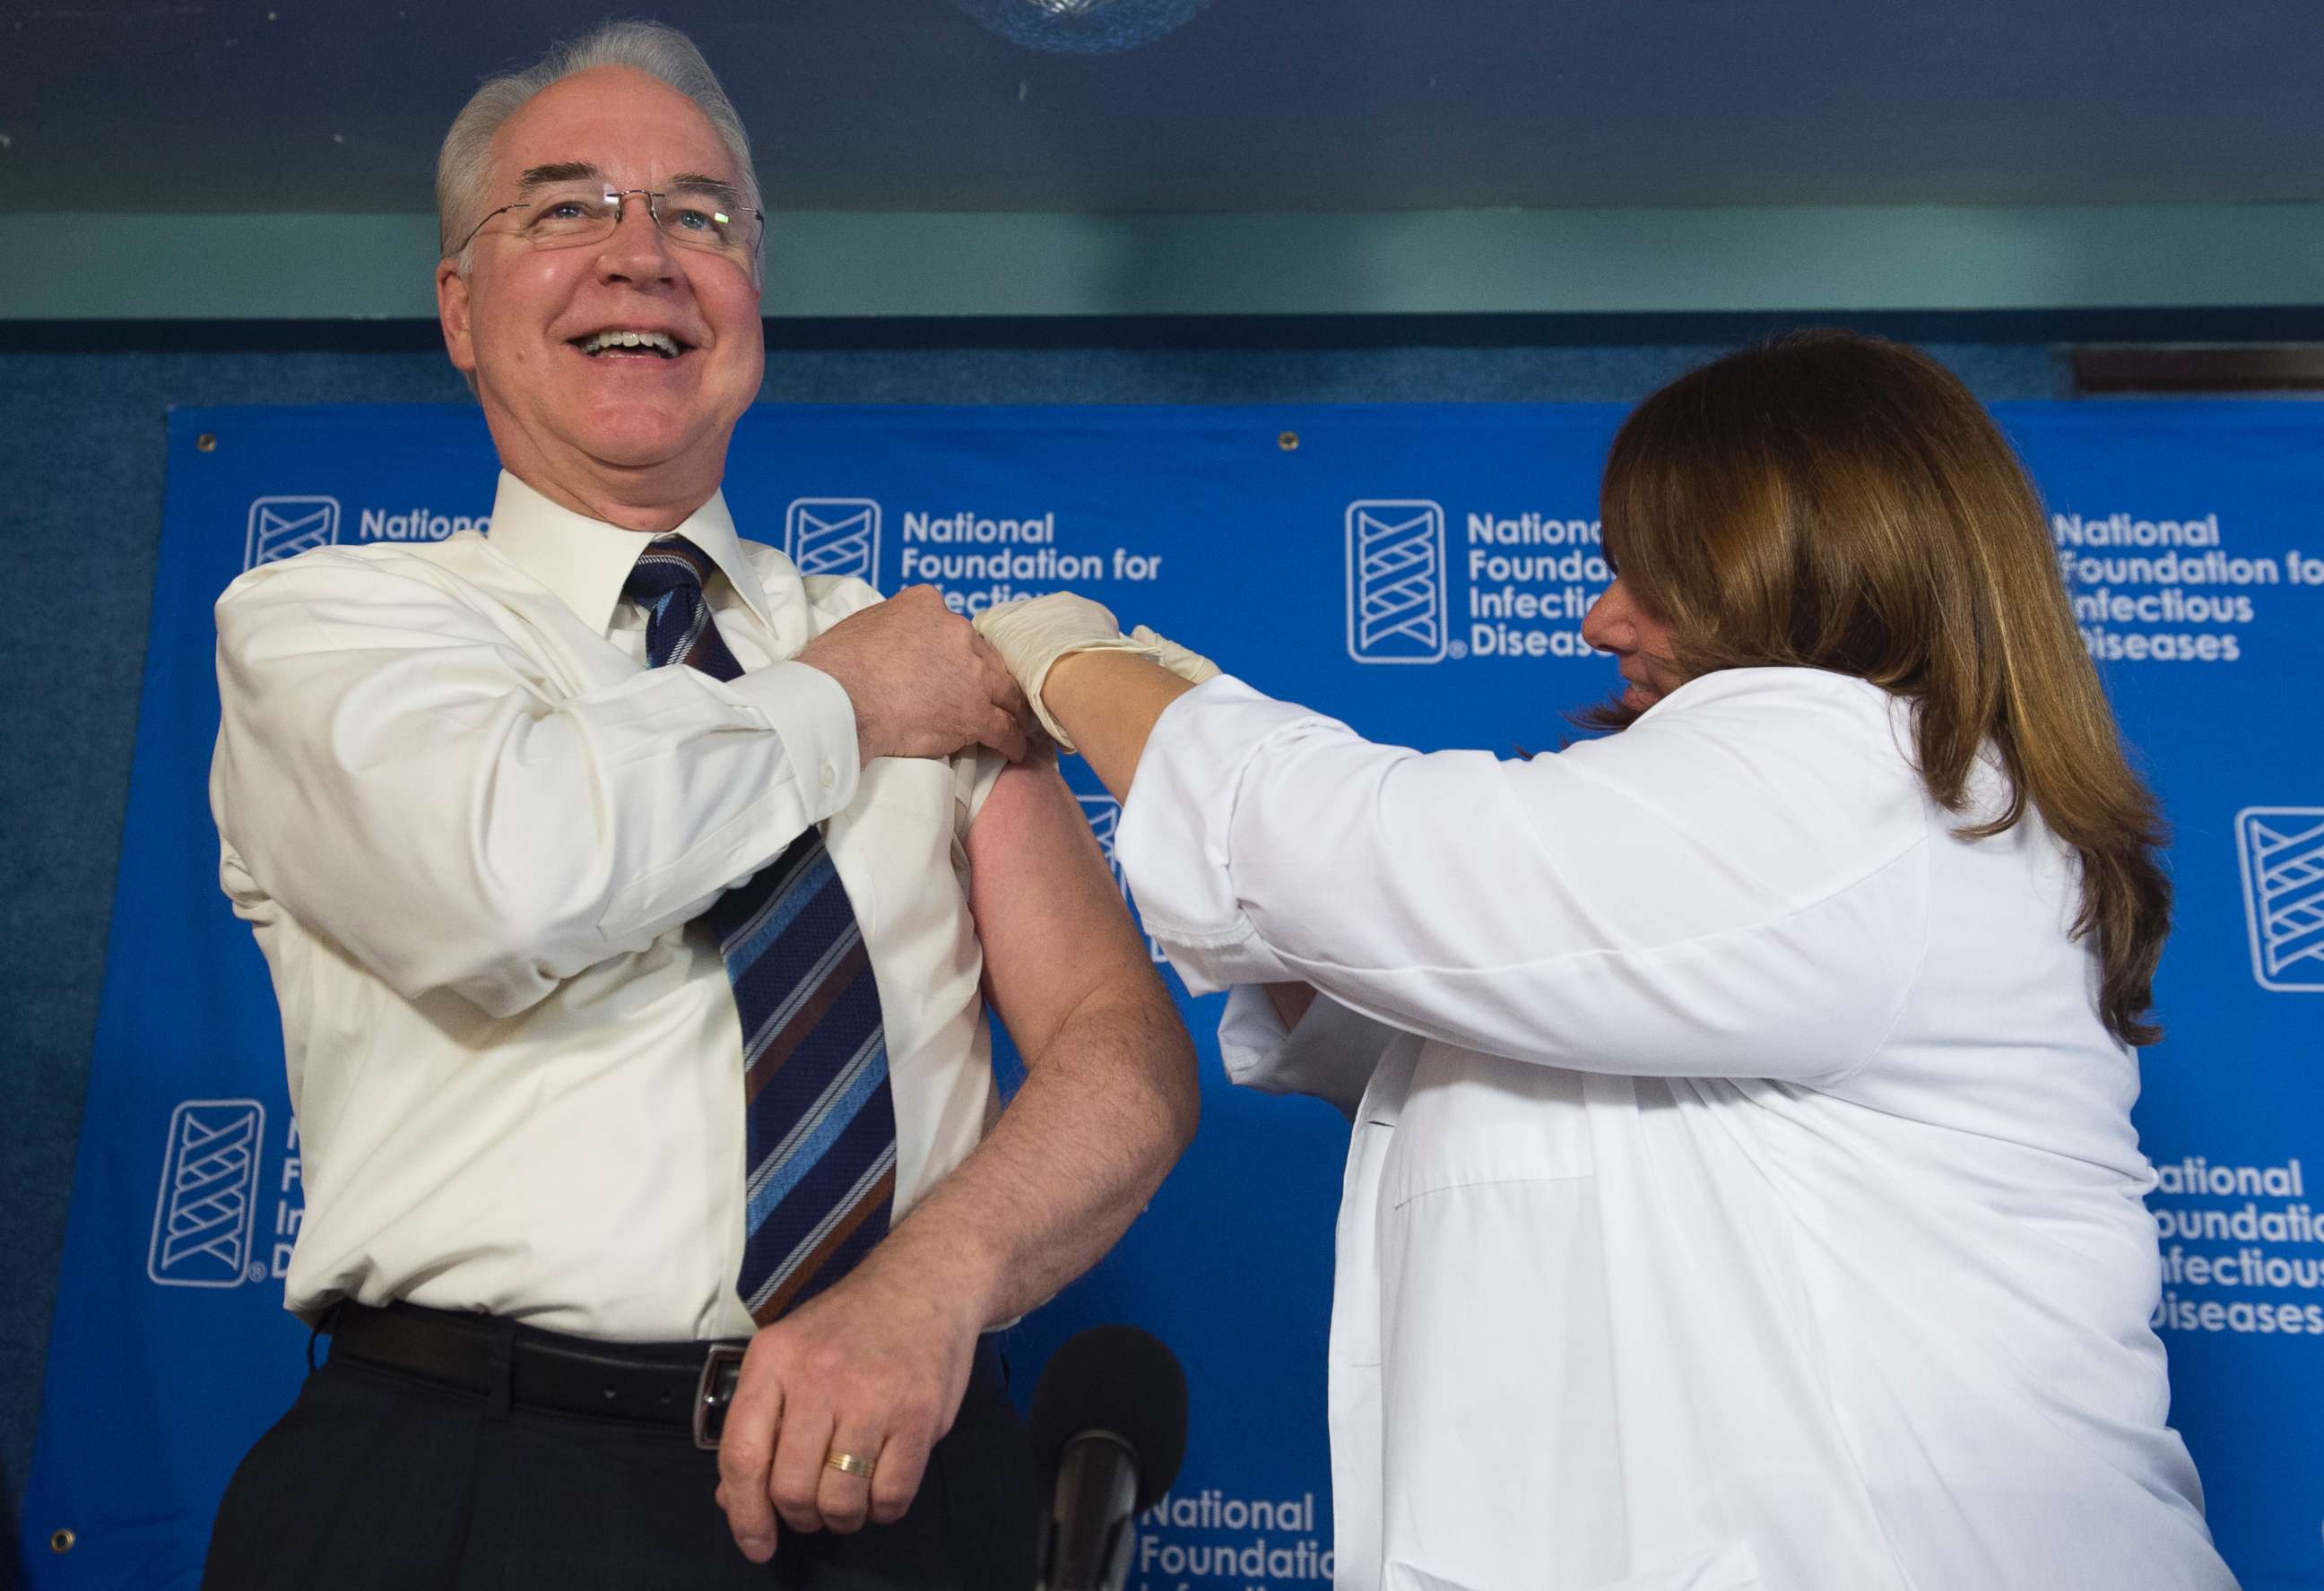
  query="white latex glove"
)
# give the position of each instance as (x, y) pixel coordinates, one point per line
(1189, 666)
(1032, 633)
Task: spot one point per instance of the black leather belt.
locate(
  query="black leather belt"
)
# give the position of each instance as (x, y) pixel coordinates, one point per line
(685, 1384)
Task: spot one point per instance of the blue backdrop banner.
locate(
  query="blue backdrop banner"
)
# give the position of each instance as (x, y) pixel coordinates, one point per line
(1419, 571)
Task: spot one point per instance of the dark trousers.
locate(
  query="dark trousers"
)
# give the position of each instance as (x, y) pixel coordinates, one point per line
(377, 1481)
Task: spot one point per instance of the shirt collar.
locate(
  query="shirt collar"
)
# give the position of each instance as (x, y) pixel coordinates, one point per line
(586, 562)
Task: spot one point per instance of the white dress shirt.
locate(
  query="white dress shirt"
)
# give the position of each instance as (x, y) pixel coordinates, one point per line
(472, 831)
(1743, 1192)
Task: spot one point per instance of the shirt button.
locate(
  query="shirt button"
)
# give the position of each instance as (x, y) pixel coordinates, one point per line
(830, 776)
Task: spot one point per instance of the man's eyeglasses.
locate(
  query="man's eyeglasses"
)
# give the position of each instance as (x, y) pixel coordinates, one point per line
(568, 215)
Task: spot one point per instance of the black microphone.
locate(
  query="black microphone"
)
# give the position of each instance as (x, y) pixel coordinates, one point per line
(1109, 1428)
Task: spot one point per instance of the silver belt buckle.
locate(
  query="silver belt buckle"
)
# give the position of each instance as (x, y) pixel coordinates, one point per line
(722, 1367)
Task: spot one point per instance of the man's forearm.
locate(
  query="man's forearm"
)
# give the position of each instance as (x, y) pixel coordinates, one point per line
(1105, 1110)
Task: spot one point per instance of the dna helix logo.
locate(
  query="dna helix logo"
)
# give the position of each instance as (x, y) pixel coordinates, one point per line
(1395, 581)
(2282, 852)
(207, 1210)
(834, 536)
(284, 526)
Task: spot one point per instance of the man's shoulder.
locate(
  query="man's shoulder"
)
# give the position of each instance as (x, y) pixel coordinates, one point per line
(460, 571)
(462, 555)
(835, 596)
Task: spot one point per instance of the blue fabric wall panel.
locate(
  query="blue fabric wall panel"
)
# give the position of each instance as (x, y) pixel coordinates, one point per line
(1343, 556)
(81, 442)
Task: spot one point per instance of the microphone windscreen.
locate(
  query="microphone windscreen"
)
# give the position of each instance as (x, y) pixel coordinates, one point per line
(1118, 1379)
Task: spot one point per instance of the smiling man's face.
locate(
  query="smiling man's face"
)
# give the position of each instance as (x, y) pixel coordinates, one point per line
(634, 435)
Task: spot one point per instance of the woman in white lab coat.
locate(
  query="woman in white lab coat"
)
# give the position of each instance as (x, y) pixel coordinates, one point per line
(1742, 1191)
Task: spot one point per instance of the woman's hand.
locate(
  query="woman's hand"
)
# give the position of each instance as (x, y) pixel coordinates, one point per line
(1113, 701)
(1189, 666)
(1033, 633)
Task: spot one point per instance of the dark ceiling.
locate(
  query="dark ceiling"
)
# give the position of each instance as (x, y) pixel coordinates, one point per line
(1254, 106)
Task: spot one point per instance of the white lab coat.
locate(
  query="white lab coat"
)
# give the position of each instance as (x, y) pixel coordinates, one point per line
(1742, 1191)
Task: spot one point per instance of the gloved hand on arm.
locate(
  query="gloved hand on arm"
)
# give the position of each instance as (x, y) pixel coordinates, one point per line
(1189, 666)
(1104, 702)
(1115, 705)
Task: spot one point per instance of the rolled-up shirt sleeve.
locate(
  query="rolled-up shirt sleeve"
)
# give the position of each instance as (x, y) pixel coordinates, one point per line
(405, 780)
(1733, 886)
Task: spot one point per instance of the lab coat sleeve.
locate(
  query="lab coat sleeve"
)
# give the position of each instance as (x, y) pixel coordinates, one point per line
(1735, 885)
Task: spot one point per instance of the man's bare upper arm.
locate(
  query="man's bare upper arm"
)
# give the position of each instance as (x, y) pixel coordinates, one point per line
(1056, 934)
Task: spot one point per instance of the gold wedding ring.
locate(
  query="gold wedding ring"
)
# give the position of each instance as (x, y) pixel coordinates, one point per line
(848, 1464)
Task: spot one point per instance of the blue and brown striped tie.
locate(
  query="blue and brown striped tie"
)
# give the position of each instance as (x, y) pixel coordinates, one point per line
(822, 1125)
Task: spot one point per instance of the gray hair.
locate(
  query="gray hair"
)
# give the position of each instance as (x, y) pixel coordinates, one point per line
(662, 53)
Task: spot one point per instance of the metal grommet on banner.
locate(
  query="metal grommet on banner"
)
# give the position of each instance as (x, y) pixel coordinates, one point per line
(61, 1540)
(1288, 441)
(206, 443)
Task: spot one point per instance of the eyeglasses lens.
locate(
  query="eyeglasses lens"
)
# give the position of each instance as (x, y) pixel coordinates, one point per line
(564, 217)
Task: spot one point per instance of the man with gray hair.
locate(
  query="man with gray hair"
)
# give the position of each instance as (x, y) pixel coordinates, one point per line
(633, 904)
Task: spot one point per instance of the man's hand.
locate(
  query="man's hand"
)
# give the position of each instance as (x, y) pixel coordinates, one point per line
(924, 683)
(874, 1367)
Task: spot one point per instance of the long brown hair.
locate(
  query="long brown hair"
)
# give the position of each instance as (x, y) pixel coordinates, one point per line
(1832, 501)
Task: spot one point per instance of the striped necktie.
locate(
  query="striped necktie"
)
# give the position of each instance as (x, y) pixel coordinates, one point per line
(822, 1125)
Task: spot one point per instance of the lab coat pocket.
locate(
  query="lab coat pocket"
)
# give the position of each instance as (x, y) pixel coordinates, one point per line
(1497, 1406)
(1732, 1567)
(1355, 1291)
(1471, 1120)
(1354, 1369)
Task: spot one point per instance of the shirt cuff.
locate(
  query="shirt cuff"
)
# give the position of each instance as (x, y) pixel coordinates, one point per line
(1174, 842)
(814, 717)
(1250, 1033)
(1330, 1055)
